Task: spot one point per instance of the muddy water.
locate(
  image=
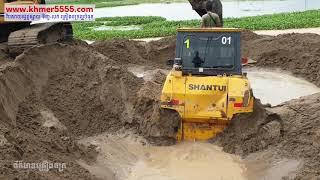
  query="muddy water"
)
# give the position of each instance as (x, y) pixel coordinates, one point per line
(275, 87)
(129, 157)
(187, 161)
(263, 166)
(130, 160)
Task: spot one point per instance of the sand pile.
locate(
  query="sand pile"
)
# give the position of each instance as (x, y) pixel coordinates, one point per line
(297, 53)
(159, 125)
(122, 51)
(48, 100)
(4, 57)
(154, 53)
(246, 126)
(29, 131)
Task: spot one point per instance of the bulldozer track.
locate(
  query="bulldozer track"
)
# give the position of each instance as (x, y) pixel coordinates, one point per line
(36, 34)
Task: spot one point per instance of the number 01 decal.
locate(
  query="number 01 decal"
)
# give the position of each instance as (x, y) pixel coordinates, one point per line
(187, 42)
(226, 40)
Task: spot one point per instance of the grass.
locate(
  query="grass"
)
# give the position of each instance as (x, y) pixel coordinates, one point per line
(159, 27)
(111, 3)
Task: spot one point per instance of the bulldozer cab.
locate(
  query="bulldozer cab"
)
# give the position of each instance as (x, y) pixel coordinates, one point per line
(209, 51)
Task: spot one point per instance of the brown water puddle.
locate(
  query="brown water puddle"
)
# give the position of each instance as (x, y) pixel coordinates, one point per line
(125, 157)
(265, 165)
(202, 161)
(131, 160)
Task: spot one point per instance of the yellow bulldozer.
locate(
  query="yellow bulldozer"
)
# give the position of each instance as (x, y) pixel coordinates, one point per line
(206, 85)
(22, 35)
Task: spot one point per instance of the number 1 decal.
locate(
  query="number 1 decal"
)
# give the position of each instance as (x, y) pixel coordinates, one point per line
(187, 42)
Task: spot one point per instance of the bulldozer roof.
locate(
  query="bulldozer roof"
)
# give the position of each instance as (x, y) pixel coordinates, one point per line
(209, 30)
